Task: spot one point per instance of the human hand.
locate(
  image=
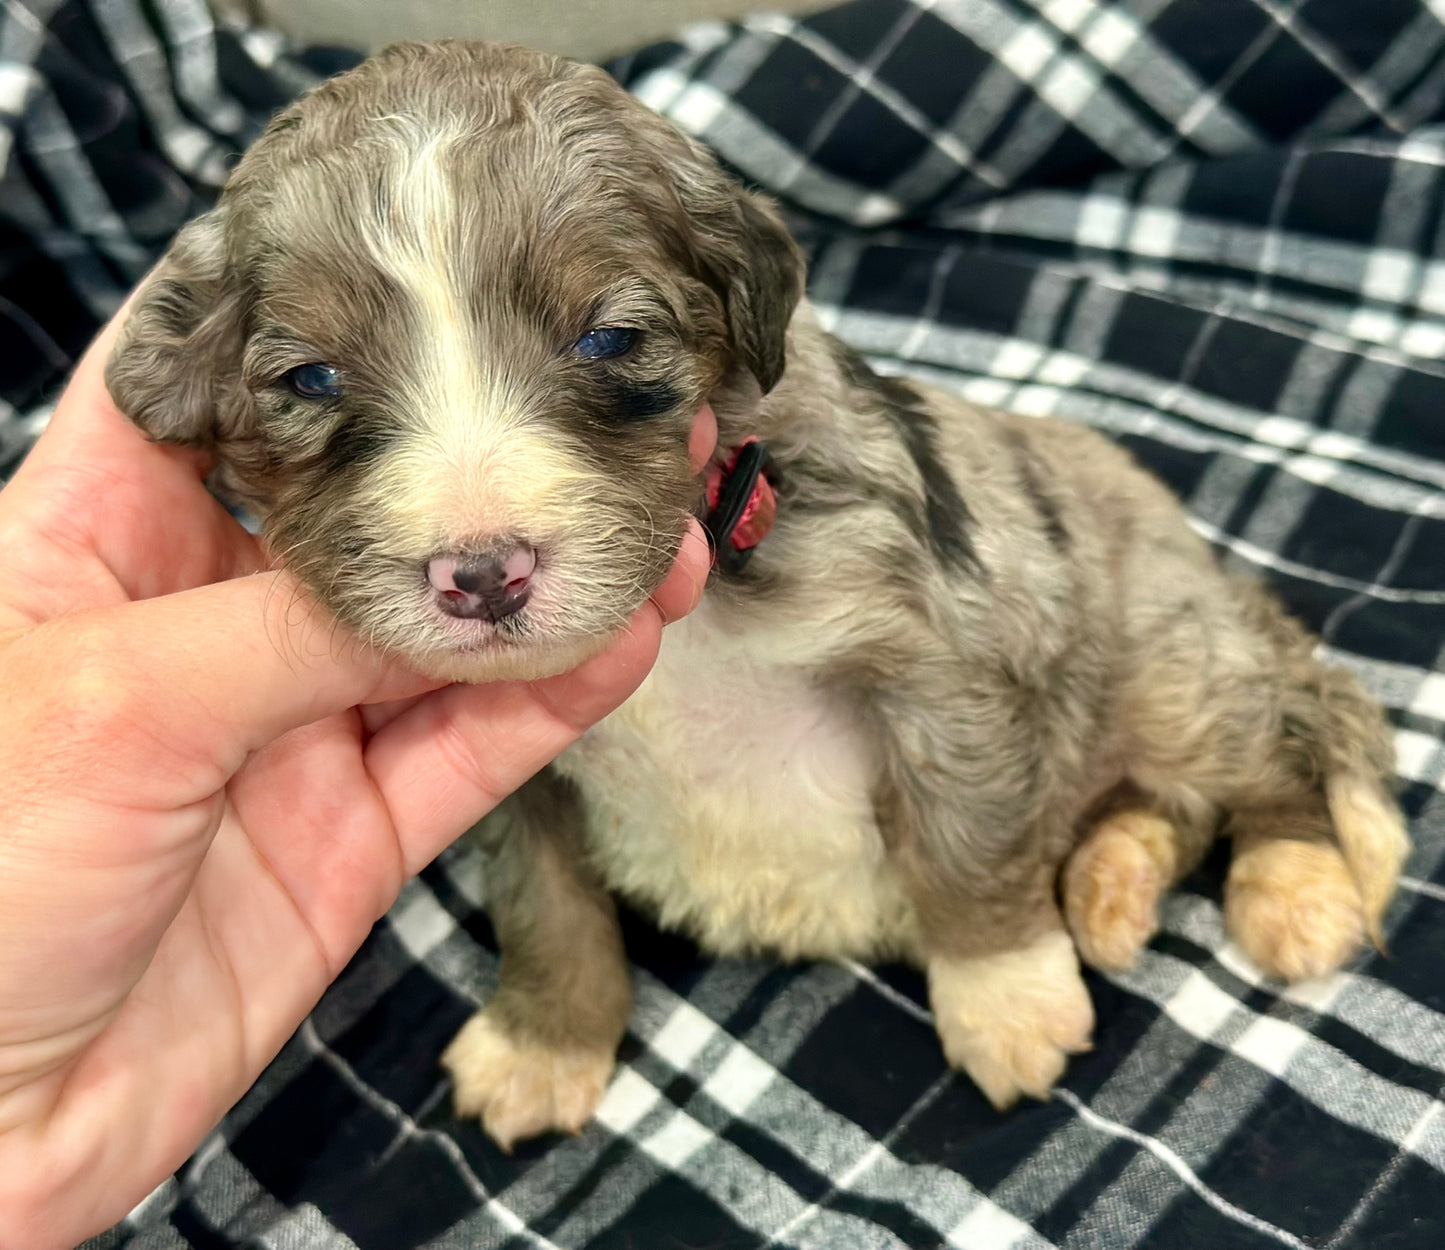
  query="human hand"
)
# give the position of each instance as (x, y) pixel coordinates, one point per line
(208, 794)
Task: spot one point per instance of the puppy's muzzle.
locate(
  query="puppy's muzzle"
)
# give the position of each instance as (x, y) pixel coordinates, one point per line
(483, 587)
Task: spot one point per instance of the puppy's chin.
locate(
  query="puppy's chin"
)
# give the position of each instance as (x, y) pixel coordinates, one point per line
(499, 661)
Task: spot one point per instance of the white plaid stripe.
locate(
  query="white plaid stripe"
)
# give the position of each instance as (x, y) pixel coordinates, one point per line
(190, 37)
(1139, 1193)
(1069, 89)
(1105, 220)
(54, 148)
(1428, 888)
(1426, 1124)
(1282, 1049)
(861, 78)
(1022, 377)
(406, 1127)
(1413, 54)
(1117, 39)
(1372, 102)
(137, 49)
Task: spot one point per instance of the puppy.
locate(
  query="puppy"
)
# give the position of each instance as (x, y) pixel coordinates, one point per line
(447, 331)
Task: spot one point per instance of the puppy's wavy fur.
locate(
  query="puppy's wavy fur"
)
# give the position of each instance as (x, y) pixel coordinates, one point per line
(972, 646)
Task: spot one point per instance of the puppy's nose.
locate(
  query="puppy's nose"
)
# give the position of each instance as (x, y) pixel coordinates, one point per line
(483, 588)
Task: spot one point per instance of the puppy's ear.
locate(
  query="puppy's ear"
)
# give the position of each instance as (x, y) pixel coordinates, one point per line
(742, 250)
(181, 341)
(764, 282)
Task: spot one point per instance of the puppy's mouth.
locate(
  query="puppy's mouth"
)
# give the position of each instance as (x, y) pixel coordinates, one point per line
(470, 635)
(504, 608)
(508, 613)
(523, 645)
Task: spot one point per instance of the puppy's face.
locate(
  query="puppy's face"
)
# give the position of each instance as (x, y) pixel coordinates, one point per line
(447, 331)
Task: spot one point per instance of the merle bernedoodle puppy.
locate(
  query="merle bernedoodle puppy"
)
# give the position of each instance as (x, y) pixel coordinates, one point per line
(975, 701)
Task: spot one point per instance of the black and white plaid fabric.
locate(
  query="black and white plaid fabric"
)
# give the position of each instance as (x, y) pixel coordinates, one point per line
(1212, 228)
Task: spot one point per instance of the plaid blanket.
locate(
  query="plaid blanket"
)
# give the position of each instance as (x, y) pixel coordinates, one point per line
(1213, 229)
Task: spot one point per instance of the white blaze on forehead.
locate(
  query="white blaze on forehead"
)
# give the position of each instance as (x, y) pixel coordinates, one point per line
(479, 461)
(417, 241)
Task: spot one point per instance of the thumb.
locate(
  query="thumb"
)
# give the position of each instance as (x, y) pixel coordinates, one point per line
(166, 697)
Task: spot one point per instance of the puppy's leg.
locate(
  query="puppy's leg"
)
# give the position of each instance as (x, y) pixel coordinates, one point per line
(1126, 861)
(1290, 900)
(539, 1055)
(1011, 1019)
(1232, 705)
(1009, 1002)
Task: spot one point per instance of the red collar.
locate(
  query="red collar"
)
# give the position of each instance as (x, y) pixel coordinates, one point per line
(741, 504)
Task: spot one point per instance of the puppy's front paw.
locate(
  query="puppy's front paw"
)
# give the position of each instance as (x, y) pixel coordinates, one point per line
(521, 1088)
(1012, 1020)
(1293, 907)
(1112, 885)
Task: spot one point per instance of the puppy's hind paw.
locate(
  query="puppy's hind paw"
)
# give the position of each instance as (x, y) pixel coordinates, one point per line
(1112, 885)
(521, 1088)
(1294, 908)
(1012, 1020)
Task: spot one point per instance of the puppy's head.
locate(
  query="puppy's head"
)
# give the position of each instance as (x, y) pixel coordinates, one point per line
(447, 331)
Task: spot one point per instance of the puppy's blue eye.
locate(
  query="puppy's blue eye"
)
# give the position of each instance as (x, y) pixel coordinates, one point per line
(315, 381)
(605, 341)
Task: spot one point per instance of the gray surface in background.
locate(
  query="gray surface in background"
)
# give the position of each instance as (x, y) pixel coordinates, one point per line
(586, 29)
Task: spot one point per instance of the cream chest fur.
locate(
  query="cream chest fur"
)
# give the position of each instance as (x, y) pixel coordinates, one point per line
(732, 797)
